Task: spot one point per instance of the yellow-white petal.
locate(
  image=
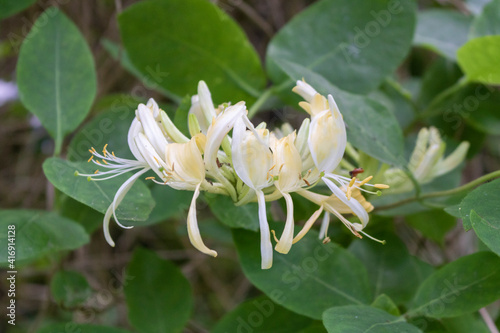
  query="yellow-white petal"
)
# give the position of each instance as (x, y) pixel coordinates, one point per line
(266, 248)
(192, 227)
(286, 239)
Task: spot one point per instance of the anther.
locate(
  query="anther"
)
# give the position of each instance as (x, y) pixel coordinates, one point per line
(149, 178)
(90, 159)
(366, 180)
(305, 181)
(381, 186)
(105, 162)
(95, 172)
(274, 235)
(349, 193)
(353, 180)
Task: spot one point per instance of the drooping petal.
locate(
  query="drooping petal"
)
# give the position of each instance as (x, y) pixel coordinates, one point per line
(452, 160)
(308, 225)
(120, 194)
(353, 204)
(286, 239)
(324, 225)
(266, 248)
(192, 227)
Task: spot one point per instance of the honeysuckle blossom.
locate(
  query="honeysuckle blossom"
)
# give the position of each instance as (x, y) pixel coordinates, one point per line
(255, 164)
(426, 163)
(327, 142)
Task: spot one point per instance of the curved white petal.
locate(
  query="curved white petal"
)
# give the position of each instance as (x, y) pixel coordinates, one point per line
(218, 130)
(134, 130)
(327, 140)
(153, 106)
(122, 191)
(266, 248)
(120, 194)
(285, 243)
(354, 204)
(151, 129)
(192, 227)
(324, 225)
(150, 155)
(304, 90)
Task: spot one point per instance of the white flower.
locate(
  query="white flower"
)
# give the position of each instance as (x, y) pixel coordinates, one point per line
(252, 161)
(203, 107)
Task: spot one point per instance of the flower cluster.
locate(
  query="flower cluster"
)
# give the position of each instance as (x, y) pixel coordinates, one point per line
(427, 162)
(253, 164)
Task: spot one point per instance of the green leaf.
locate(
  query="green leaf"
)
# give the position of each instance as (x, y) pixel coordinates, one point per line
(391, 270)
(261, 315)
(479, 59)
(384, 302)
(56, 74)
(38, 233)
(11, 7)
(346, 41)
(176, 43)
(433, 224)
(462, 286)
(361, 319)
(80, 328)
(442, 31)
(310, 268)
(225, 211)
(488, 23)
(159, 298)
(370, 126)
(136, 206)
(480, 210)
(70, 288)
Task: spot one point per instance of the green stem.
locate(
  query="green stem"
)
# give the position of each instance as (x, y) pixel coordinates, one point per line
(259, 102)
(457, 190)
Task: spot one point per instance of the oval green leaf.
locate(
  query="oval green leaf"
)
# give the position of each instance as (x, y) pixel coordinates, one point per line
(176, 43)
(364, 319)
(136, 205)
(346, 41)
(479, 59)
(463, 286)
(310, 268)
(56, 74)
(158, 296)
(225, 211)
(38, 233)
